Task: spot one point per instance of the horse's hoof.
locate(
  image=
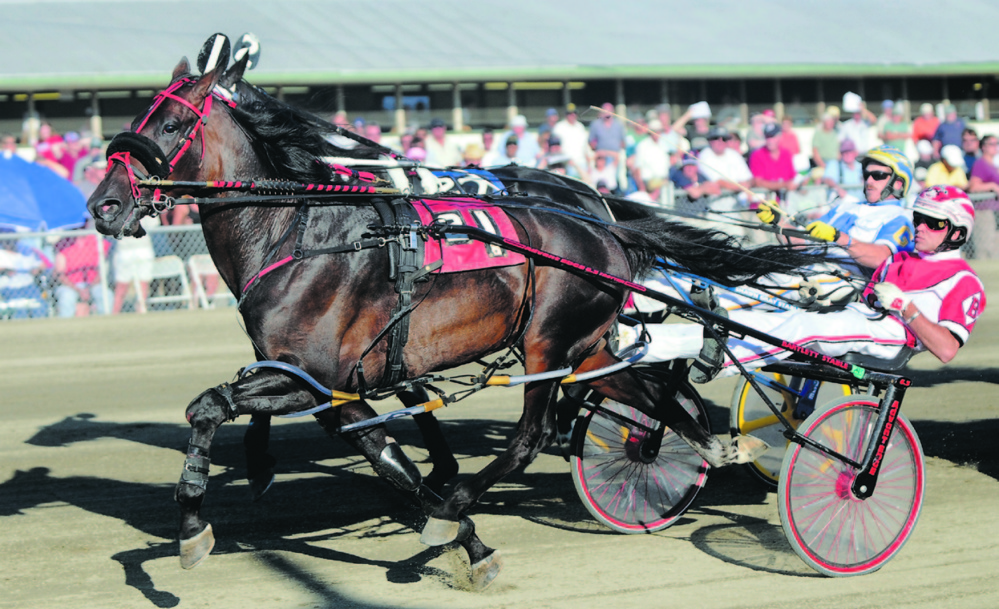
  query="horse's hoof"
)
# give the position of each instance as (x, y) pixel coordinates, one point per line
(485, 571)
(439, 532)
(197, 548)
(261, 483)
(749, 449)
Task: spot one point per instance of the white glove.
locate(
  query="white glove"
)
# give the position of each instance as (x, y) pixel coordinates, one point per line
(891, 296)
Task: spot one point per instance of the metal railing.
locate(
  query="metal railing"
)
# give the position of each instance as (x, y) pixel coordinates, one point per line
(80, 272)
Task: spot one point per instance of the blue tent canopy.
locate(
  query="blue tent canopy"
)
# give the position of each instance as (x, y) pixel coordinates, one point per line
(33, 197)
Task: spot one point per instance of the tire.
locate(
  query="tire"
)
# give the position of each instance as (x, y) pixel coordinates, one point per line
(833, 531)
(749, 415)
(621, 488)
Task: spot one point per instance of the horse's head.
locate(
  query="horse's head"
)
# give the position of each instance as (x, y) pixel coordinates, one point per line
(168, 141)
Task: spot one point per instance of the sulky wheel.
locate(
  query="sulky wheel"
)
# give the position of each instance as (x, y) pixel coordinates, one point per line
(627, 483)
(750, 415)
(831, 529)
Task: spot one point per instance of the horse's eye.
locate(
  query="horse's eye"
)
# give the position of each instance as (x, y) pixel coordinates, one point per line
(170, 128)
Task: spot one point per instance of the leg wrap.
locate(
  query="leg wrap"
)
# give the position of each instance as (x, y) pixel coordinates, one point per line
(397, 468)
(225, 390)
(195, 467)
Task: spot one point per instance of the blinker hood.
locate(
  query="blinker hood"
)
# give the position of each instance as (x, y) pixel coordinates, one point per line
(145, 150)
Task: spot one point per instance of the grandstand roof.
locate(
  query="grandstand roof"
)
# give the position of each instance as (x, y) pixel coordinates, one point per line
(107, 44)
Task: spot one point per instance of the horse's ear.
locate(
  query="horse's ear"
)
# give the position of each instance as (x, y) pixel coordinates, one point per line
(234, 74)
(183, 68)
(205, 85)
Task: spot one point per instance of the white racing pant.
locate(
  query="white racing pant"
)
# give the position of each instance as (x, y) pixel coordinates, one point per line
(855, 329)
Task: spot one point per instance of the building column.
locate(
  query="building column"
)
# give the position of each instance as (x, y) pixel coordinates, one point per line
(743, 104)
(400, 112)
(620, 104)
(457, 116)
(778, 100)
(511, 103)
(96, 124)
(32, 123)
(820, 94)
(566, 95)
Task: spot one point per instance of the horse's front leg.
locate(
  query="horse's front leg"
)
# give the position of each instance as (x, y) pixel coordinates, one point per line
(264, 393)
(392, 464)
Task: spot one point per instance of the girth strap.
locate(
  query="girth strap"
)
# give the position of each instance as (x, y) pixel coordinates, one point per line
(410, 270)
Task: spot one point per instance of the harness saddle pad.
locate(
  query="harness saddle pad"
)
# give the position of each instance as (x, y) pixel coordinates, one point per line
(462, 253)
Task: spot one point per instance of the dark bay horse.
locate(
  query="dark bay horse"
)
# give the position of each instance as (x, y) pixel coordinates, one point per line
(322, 314)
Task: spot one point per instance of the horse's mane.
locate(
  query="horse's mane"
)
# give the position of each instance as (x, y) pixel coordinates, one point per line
(293, 140)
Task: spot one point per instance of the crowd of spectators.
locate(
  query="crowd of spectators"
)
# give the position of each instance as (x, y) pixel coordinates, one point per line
(59, 275)
(639, 155)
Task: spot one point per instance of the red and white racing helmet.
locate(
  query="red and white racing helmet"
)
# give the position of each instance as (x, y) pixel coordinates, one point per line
(948, 203)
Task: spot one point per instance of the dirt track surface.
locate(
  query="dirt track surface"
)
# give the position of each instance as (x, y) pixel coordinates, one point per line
(92, 442)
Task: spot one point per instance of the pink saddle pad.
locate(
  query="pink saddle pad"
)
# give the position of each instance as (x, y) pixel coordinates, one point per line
(462, 253)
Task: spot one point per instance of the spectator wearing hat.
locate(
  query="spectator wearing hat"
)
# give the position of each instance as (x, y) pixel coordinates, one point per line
(574, 137)
(607, 135)
(895, 131)
(925, 150)
(472, 155)
(551, 119)
(772, 166)
(726, 169)
(887, 111)
(605, 173)
(949, 170)
(700, 113)
(984, 177)
(845, 171)
(723, 164)
(970, 147)
(949, 132)
(528, 149)
(925, 124)
(858, 128)
(825, 141)
(557, 161)
(508, 154)
(442, 151)
(650, 164)
(694, 182)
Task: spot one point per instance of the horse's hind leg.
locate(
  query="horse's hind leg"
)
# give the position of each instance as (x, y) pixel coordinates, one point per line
(445, 466)
(650, 395)
(259, 463)
(534, 431)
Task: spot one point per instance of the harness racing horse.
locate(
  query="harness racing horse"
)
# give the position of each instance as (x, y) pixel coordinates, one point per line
(325, 315)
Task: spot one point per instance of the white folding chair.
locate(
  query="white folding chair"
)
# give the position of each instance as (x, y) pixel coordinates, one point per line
(199, 266)
(168, 267)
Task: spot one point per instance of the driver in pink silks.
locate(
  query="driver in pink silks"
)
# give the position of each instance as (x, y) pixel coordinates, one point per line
(927, 300)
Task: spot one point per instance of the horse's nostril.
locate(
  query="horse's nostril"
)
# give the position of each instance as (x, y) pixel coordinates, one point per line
(108, 209)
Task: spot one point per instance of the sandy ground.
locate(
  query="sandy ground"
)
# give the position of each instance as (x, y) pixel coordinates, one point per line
(91, 448)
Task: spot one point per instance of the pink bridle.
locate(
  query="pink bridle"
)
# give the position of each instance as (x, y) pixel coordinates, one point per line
(125, 158)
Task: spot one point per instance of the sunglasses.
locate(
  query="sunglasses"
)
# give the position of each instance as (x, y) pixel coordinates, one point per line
(934, 224)
(877, 175)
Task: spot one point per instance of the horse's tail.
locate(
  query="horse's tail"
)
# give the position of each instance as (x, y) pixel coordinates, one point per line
(708, 253)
